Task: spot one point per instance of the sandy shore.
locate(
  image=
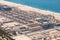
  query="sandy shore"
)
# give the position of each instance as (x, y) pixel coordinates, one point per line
(27, 8)
(1, 0)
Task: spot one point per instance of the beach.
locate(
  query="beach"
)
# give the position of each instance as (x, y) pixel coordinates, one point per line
(27, 8)
(1, 0)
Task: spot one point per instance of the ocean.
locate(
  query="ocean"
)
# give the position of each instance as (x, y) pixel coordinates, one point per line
(50, 5)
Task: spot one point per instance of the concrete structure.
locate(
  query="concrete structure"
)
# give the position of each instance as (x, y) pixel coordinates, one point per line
(28, 25)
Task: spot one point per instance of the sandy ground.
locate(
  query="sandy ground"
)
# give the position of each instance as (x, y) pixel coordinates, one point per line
(21, 37)
(27, 8)
(1, 0)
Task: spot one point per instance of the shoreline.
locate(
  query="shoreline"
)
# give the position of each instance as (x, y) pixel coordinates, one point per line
(33, 7)
(28, 8)
(1, 0)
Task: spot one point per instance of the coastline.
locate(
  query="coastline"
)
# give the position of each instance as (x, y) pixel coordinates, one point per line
(28, 8)
(1, 0)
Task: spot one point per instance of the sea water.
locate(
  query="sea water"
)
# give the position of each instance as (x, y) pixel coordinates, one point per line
(51, 5)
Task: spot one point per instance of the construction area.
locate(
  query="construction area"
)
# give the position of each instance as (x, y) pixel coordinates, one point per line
(17, 24)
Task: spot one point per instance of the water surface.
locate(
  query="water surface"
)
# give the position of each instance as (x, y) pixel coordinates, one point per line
(51, 5)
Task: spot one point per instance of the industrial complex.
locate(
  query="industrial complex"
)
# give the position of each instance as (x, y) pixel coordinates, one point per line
(17, 24)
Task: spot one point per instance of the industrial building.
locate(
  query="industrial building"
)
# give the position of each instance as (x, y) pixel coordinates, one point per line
(27, 25)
